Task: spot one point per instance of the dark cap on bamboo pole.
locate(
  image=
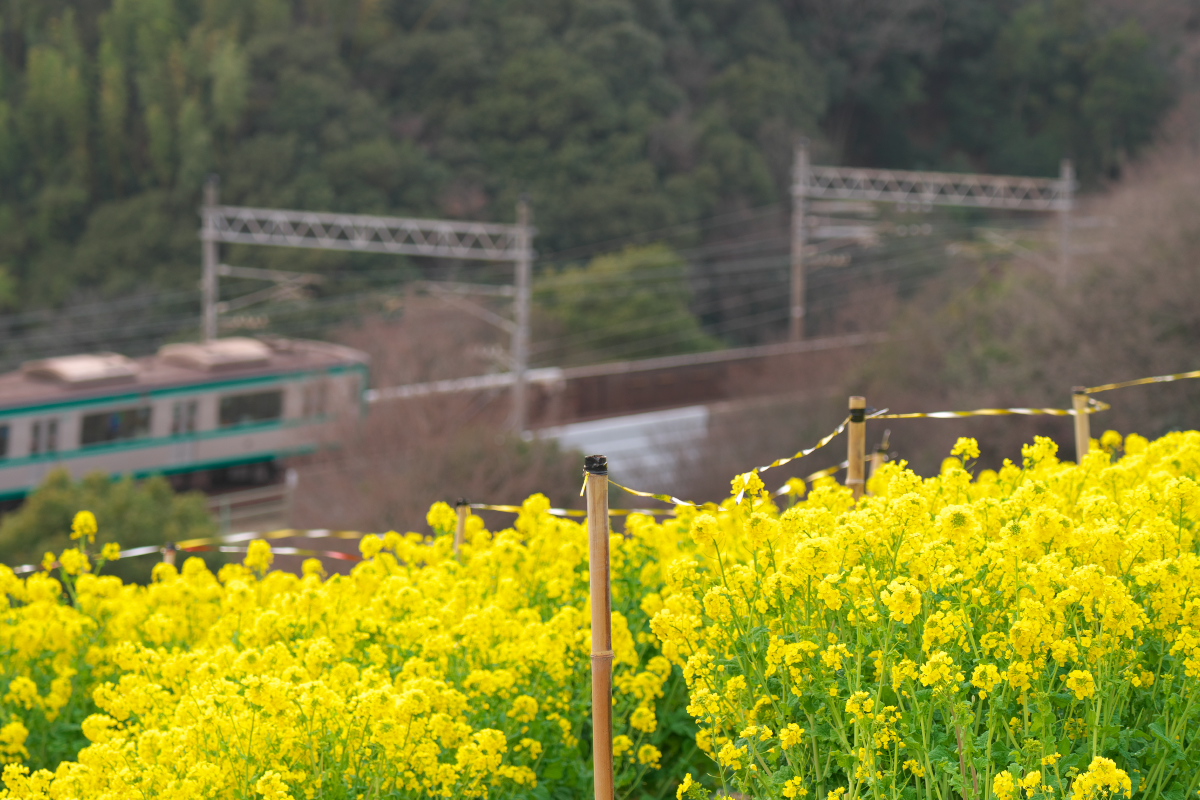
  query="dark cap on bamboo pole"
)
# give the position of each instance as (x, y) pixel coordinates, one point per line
(856, 446)
(169, 550)
(1083, 422)
(596, 468)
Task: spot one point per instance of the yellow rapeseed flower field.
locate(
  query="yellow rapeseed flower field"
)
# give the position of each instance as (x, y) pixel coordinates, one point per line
(1027, 633)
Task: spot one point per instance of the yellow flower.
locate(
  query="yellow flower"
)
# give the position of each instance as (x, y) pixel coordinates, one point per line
(939, 671)
(686, 786)
(794, 788)
(1004, 786)
(791, 736)
(965, 447)
(84, 527)
(622, 744)
(860, 705)
(796, 487)
(986, 677)
(74, 562)
(49, 560)
(649, 755)
(442, 518)
(1031, 782)
(903, 600)
(111, 551)
(259, 556)
(1102, 779)
(1080, 682)
(643, 719)
(12, 741)
(747, 483)
(272, 787)
(370, 546)
(524, 709)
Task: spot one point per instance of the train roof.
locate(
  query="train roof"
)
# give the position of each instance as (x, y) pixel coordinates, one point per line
(91, 375)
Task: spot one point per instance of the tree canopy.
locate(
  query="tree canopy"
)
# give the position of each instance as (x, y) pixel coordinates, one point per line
(618, 116)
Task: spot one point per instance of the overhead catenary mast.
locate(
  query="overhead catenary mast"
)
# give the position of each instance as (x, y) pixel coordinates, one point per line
(436, 238)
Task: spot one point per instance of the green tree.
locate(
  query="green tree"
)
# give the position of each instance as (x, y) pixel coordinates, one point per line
(131, 513)
(632, 304)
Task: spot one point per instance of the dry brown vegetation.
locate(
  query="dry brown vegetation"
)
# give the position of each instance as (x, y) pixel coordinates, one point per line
(994, 330)
(406, 455)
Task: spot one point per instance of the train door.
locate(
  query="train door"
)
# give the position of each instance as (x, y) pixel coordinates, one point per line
(43, 441)
(183, 428)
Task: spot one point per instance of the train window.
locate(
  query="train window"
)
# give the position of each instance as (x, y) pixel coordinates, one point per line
(44, 437)
(114, 426)
(244, 409)
(183, 418)
(3, 441)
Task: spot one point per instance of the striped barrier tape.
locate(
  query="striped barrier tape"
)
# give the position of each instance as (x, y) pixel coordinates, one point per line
(279, 551)
(569, 512)
(821, 473)
(1094, 406)
(214, 544)
(282, 533)
(779, 462)
(1178, 376)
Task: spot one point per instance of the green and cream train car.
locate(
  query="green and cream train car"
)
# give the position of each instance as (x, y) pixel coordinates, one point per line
(191, 410)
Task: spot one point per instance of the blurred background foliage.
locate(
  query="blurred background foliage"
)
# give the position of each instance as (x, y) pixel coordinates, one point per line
(618, 116)
(131, 513)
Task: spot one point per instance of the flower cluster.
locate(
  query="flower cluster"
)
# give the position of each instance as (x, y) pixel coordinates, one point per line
(421, 674)
(1021, 634)
(1031, 632)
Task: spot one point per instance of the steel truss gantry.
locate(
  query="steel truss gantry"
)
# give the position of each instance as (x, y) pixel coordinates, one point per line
(922, 190)
(363, 233)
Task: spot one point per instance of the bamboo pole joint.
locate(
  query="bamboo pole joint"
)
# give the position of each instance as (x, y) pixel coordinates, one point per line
(857, 446)
(463, 508)
(1083, 422)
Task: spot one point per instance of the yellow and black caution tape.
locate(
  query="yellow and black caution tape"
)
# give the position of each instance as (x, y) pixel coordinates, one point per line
(569, 512)
(677, 501)
(1178, 376)
(1093, 407)
(279, 551)
(665, 498)
(816, 476)
(282, 533)
(779, 462)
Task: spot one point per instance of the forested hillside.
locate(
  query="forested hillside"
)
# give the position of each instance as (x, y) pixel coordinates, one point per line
(617, 116)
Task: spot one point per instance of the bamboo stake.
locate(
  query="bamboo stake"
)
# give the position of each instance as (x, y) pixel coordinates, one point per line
(460, 530)
(1083, 423)
(857, 445)
(596, 469)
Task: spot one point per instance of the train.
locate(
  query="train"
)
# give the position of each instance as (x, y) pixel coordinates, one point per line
(231, 408)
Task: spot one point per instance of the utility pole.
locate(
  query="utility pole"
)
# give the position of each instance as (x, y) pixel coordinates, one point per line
(799, 181)
(1066, 177)
(208, 239)
(524, 287)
